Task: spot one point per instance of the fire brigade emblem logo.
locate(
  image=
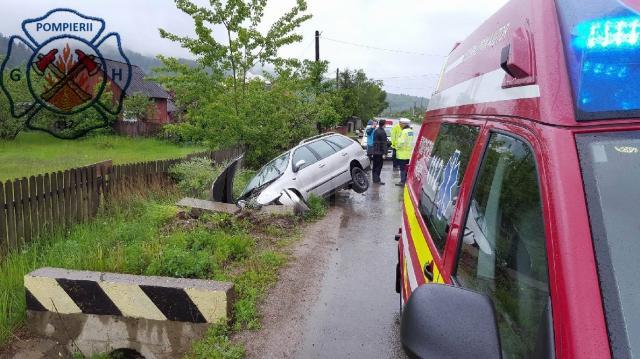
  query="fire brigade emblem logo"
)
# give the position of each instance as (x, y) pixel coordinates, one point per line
(68, 86)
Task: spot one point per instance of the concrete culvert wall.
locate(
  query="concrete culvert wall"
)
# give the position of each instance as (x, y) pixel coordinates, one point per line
(126, 315)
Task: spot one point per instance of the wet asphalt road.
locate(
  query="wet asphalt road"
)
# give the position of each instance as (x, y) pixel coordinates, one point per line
(357, 312)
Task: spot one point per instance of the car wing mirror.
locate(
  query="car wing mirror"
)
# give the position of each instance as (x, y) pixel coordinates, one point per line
(298, 165)
(442, 321)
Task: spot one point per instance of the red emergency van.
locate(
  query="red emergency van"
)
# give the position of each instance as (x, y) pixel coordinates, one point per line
(521, 224)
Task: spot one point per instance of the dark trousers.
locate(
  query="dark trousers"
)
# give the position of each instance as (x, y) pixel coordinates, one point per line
(403, 170)
(377, 167)
(394, 159)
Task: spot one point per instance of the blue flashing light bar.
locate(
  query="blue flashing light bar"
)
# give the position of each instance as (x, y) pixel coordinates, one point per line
(608, 34)
(605, 70)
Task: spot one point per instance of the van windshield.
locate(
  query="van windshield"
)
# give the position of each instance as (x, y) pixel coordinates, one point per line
(613, 196)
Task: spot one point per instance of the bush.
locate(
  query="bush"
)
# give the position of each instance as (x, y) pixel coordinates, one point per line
(195, 177)
(317, 208)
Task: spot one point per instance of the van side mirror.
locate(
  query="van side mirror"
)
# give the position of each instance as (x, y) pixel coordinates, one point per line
(298, 165)
(442, 321)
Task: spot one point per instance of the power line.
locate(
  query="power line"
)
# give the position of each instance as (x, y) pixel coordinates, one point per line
(381, 48)
(404, 77)
(409, 88)
(309, 44)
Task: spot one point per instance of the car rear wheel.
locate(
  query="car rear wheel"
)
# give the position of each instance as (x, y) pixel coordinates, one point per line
(359, 179)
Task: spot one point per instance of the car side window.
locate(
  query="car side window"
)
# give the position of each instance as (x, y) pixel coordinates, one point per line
(441, 180)
(333, 145)
(340, 141)
(503, 251)
(303, 153)
(321, 148)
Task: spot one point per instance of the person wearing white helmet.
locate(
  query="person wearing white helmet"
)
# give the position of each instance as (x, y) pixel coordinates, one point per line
(404, 148)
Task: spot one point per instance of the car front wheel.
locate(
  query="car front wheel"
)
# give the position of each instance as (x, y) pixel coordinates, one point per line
(359, 179)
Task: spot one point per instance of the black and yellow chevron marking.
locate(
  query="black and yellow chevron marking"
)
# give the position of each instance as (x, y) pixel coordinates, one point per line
(156, 298)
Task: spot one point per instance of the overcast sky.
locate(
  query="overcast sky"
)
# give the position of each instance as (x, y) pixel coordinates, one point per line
(420, 31)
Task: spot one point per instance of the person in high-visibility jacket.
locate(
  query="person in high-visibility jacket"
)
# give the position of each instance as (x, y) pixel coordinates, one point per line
(404, 148)
(396, 130)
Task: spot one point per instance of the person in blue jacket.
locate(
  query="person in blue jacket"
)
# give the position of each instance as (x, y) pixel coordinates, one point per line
(371, 128)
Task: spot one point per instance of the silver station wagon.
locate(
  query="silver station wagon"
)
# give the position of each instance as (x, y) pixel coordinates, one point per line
(320, 165)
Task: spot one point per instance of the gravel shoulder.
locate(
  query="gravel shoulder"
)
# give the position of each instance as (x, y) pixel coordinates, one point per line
(289, 302)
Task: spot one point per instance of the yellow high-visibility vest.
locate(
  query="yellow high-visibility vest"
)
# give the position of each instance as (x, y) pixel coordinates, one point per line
(396, 130)
(404, 145)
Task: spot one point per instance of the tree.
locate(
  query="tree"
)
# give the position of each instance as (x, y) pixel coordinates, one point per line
(361, 97)
(223, 105)
(10, 126)
(138, 107)
(245, 46)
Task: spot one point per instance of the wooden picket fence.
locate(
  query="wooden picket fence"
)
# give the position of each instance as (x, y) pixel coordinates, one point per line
(38, 205)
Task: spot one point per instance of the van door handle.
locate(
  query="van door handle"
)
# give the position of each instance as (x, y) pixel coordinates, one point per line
(428, 271)
(344, 154)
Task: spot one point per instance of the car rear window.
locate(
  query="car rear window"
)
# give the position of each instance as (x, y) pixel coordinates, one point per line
(340, 141)
(446, 167)
(610, 164)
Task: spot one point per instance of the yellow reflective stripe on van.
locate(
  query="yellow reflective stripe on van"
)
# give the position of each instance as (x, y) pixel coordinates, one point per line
(418, 239)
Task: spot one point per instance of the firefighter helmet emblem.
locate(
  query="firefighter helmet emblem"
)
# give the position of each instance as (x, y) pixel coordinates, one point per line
(72, 88)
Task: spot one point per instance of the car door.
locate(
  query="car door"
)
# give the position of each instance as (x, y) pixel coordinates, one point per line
(346, 151)
(309, 175)
(502, 246)
(328, 167)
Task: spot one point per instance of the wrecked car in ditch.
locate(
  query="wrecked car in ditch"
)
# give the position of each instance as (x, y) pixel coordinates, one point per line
(319, 165)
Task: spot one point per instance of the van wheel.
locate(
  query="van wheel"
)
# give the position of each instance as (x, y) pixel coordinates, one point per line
(360, 180)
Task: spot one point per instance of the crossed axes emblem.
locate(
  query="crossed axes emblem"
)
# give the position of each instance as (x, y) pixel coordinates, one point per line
(85, 62)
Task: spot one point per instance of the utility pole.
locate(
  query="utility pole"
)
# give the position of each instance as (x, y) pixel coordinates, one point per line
(337, 79)
(317, 46)
(318, 125)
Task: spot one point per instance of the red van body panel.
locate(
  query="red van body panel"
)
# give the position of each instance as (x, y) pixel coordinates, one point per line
(472, 91)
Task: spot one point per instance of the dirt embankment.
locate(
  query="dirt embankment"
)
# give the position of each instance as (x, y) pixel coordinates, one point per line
(291, 299)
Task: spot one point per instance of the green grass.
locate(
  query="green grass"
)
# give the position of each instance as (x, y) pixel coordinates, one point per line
(34, 153)
(317, 208)
(144, 236)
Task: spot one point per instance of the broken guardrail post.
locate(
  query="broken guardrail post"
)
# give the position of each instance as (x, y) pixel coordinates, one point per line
(94, 312)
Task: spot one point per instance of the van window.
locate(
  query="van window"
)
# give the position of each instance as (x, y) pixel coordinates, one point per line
(503, 246)
(446, 167)
(612, 195)
(322, 149)
(303, 153)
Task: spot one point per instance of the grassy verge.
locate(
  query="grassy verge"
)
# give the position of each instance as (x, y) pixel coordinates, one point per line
(149, 235)
(146, 234)
(34, 152)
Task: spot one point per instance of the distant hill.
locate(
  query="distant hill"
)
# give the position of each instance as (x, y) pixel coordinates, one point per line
(146, 63)
(399, 102)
